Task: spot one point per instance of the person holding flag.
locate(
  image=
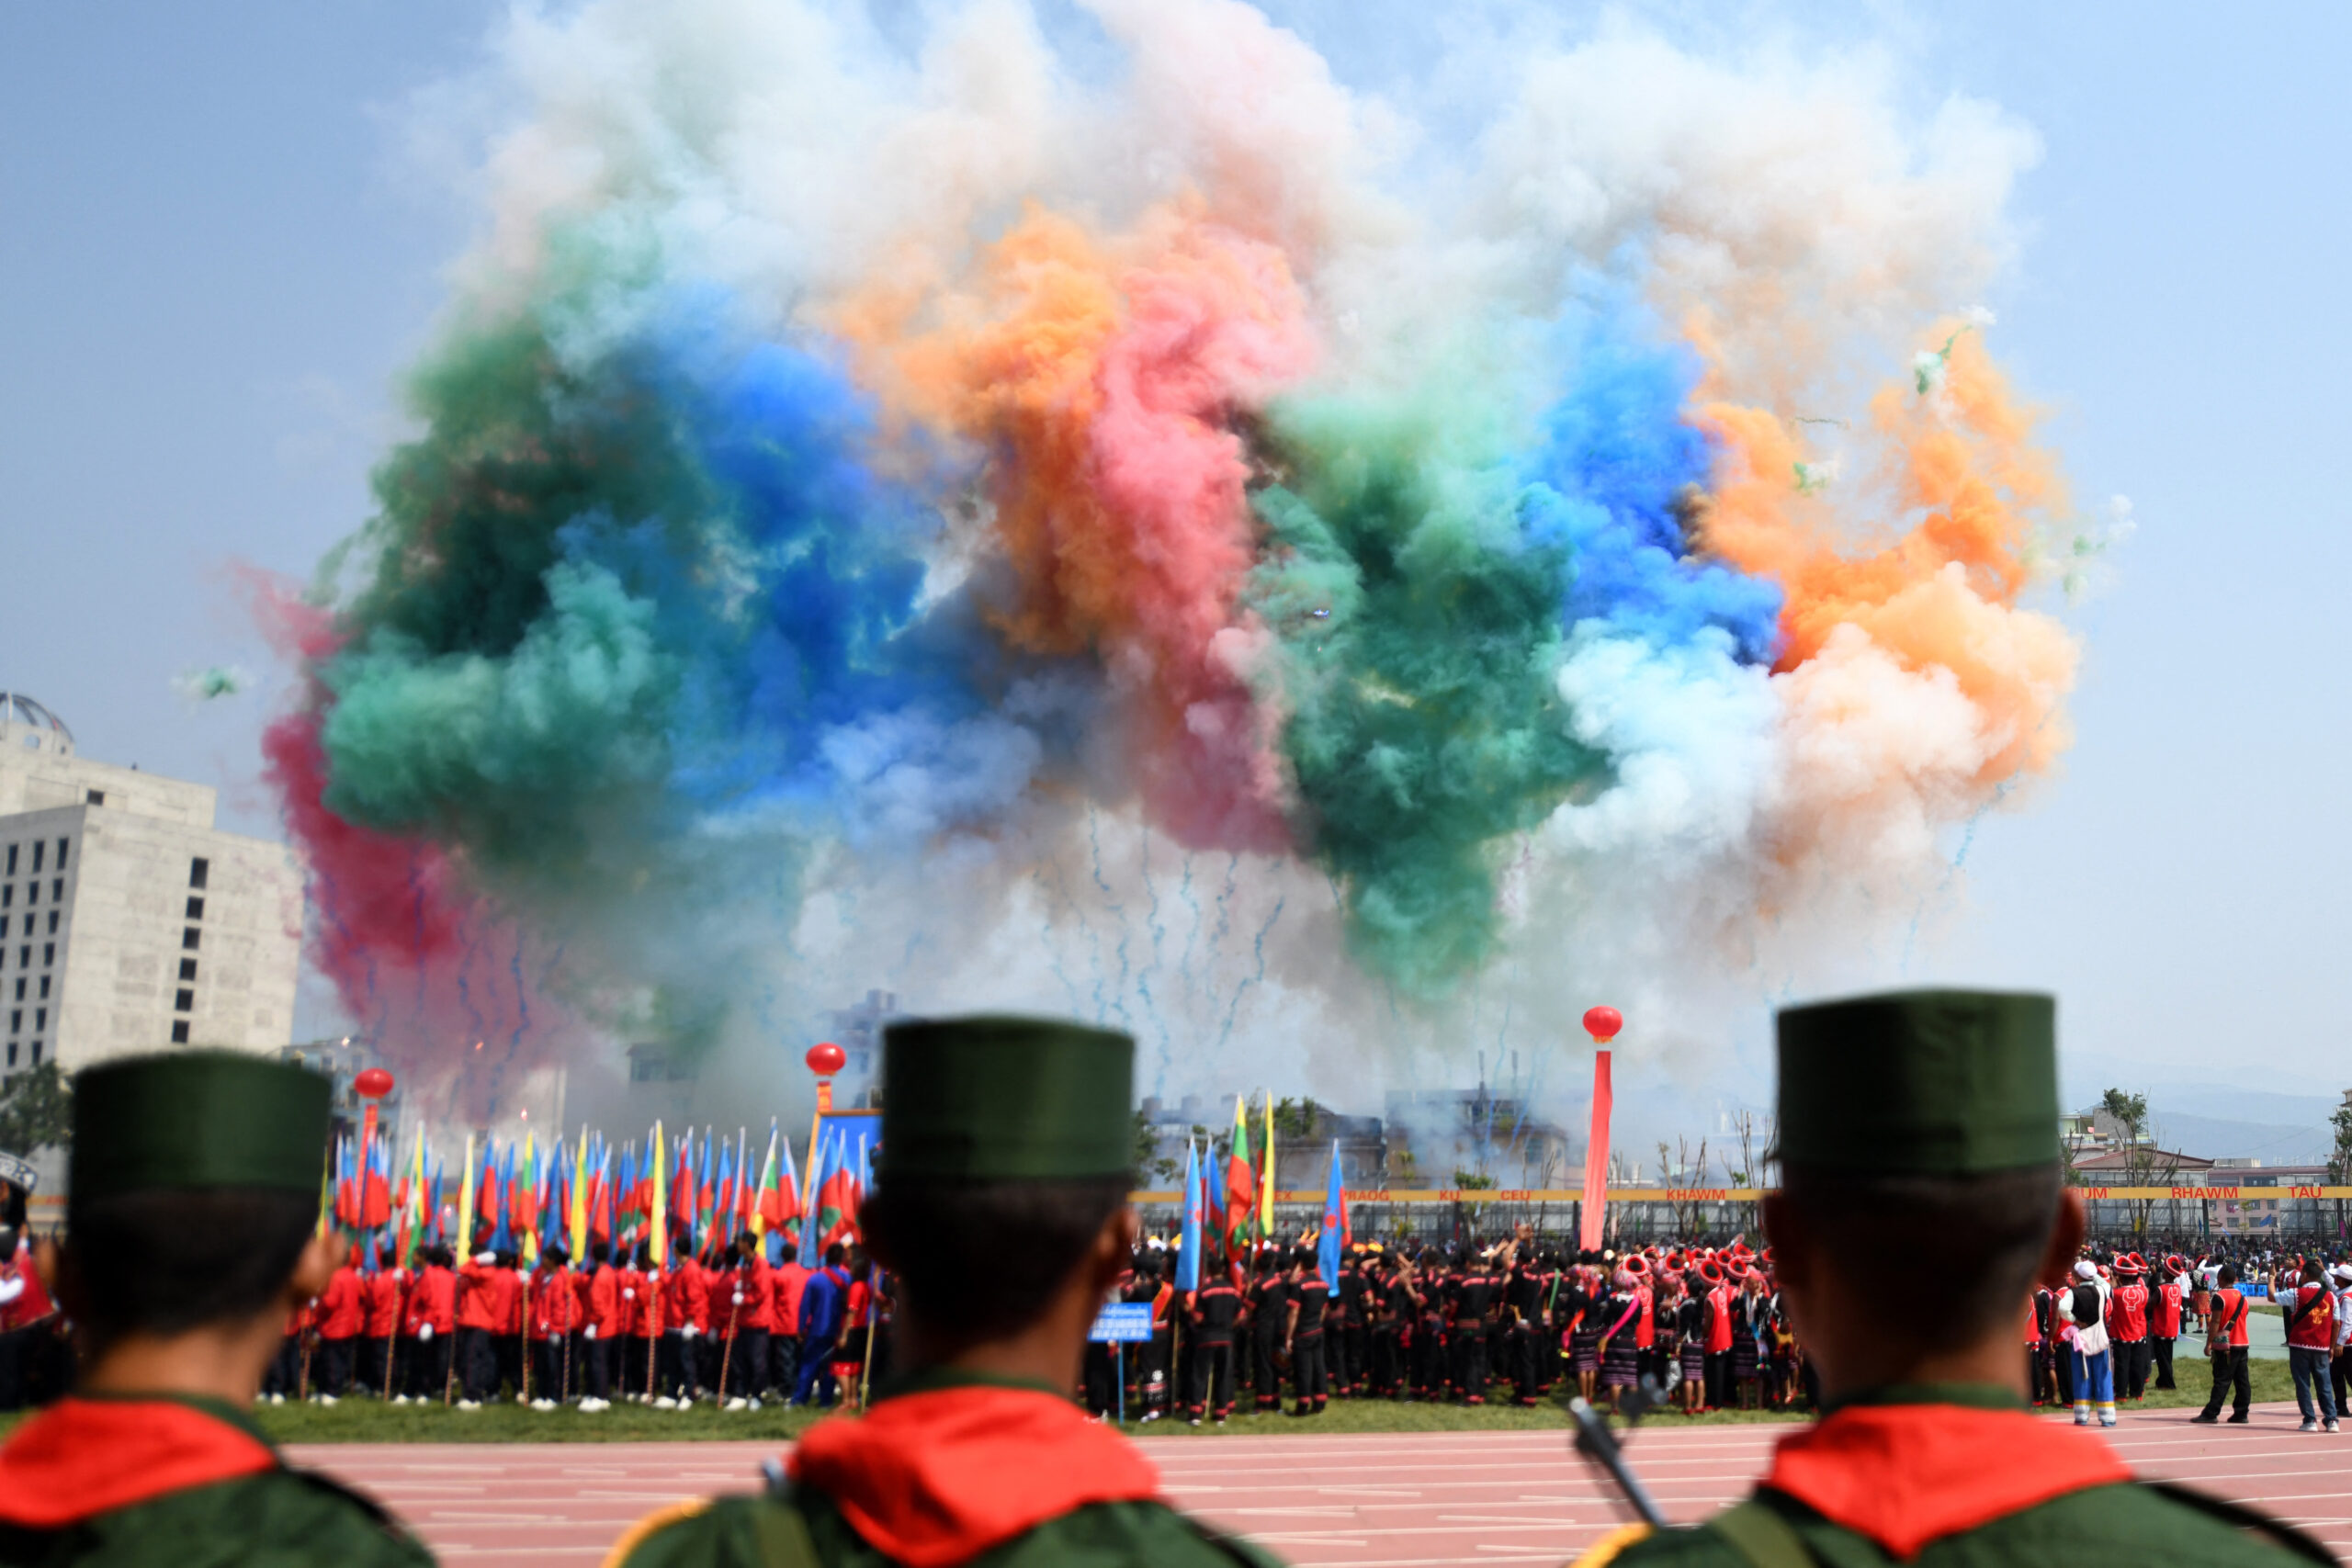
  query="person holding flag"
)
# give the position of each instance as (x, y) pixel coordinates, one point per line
(1001, 1213)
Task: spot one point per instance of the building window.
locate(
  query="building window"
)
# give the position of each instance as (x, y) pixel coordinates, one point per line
(48, 954)
(96, 797)
(4, 925)
(179, 1032)
(57, 890)
(189, 937)
(44, 988)
(188, 968)
(38, 848)
(15, 1020)
(32, 892)
(12, 1053)
(61, 852)
(198, 870)
(36, 1053)
(41, 1017)
(12, 859)
(52, 922)
(185, 1001)
(8, 893)
(195, 909)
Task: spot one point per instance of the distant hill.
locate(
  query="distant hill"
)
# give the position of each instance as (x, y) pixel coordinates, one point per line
(2287, 1123)
(2214, 1137)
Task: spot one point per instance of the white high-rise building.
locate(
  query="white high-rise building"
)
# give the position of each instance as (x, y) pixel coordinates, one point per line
(127, 923)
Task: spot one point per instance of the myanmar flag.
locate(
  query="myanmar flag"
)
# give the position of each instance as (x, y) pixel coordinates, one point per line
(1241, 1184)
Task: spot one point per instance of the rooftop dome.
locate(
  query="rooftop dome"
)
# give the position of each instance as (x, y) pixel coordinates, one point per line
(17, 708)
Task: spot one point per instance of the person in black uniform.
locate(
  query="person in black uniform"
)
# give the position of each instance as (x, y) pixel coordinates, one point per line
(1354, 1329)
(1522, 1312)
(1474, 1302)
(1429, 1291)
(1211, 1312)
(1268, 1322)
(1383, 1369)
(1304, 1338)
(1147, 1369)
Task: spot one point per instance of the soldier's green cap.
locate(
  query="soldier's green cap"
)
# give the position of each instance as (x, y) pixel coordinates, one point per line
(1921, 1083)
(1005, 1099)
(198, 1118)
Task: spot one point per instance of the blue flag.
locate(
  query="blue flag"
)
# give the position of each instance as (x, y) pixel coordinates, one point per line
(1188, 1251)
(812, 1255)
(1334, 1237)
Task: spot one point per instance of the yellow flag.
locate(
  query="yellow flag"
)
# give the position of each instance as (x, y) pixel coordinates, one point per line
(1266, 1180)
(466, 1204)
(579, 1197)
(659, 1219)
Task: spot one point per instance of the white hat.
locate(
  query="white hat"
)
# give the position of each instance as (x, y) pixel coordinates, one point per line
(485, 1257)
(2087, 1269)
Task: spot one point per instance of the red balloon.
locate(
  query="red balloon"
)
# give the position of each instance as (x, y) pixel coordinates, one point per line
(1602, 1024)
(825, 1059)
(373, 1084)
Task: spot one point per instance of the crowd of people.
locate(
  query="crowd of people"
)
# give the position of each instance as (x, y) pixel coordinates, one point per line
(1515, 1322)
(724, 1325)
(1506, 1323)
(1001, 1225)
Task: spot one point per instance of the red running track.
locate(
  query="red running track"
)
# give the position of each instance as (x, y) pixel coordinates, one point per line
(1401, 1500)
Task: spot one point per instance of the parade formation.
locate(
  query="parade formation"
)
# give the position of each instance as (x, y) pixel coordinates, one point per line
(948, 1322)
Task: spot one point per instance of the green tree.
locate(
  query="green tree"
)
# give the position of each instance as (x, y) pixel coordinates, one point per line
(36, 1111)
(1150, 1162)
(1294, 1118)
(2339, 1165)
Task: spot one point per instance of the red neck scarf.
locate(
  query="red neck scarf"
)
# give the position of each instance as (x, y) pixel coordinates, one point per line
(84, 1457)
(1909, 1475)
(934, 1478)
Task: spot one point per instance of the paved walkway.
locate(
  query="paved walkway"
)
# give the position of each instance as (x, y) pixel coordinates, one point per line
(1402, 1500)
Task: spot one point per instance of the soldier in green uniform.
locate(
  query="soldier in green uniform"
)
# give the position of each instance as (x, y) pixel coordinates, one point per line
(192, 1232)
(1934, 1113)
(1000, 1205)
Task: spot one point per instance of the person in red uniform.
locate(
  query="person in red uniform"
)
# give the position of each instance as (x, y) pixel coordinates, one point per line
(641, 1307)
(747, 1370)
(385, 1293)
(683, 1319)
(428, 1325)
(2226, 1342)
(2163, 1317)
(1720, 1290)
(627, 1349)
(786, 1281)
(483, 1291)
(2310, 1306)
(25, 1311)
(555, 1323)
(2127, 1326)
(343, 1313)
(601, 1335)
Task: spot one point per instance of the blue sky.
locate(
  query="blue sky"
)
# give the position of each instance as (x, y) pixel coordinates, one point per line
(218, 248)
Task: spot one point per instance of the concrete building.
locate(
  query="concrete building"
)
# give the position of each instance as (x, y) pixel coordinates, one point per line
(127, 921)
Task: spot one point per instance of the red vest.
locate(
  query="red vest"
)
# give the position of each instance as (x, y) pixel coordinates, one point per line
(2127, 1313)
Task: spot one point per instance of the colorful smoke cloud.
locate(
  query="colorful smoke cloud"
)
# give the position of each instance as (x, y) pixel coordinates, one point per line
(936, 515)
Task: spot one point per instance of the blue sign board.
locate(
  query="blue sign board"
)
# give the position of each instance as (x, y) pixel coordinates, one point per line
(1122, 1322)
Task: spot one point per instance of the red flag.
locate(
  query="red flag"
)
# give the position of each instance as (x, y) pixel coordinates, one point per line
(1596, 1155)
